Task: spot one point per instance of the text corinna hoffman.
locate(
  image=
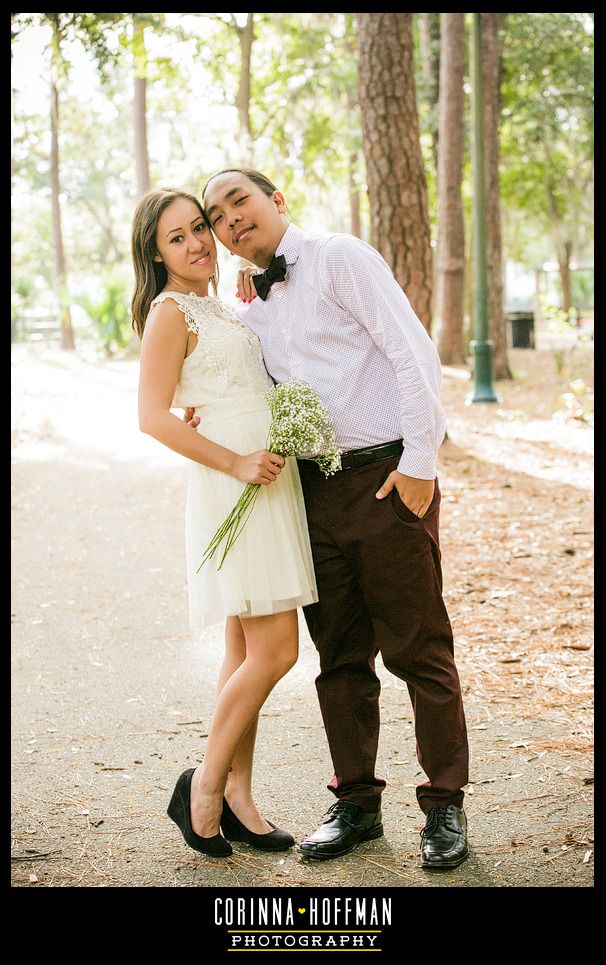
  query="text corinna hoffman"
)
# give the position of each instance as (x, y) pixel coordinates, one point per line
(283, 911)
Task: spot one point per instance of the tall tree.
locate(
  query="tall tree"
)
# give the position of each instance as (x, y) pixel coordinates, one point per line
(133, 39)
(451, 240)
(219, 62)
(246, 36)
(302, 108)
(429, 41)
(547, 128)
(396, 178)
(492, 63)
(67, 332)
(139, 105)
(88, 28)
(350, 42)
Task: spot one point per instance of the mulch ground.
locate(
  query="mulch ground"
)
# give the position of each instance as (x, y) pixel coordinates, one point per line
(112, 695)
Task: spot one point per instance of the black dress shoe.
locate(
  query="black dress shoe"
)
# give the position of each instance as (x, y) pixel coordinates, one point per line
(179, 811)
(444, 838)
(234, 830)
(344, 828)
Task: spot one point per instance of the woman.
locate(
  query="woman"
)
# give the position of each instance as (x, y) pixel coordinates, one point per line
(195, 352)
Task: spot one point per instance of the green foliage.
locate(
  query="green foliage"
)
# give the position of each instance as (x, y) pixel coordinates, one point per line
(547, 123)
(32, 243)
(99, 179)
(93, 30)
(22, 297)
(31, 146)
(305, 130)
(557, 320)
(109, 315)
(428, 105)
(304, 123)
(581, 286)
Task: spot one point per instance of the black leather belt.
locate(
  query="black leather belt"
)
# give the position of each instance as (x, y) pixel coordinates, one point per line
(360, 457)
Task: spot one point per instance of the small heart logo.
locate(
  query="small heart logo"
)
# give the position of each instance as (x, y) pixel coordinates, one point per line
(301, 911)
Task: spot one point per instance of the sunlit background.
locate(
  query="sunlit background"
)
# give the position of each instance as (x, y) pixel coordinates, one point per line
(298, 121)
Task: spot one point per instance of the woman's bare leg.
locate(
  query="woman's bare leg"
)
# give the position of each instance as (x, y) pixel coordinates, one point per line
(238, 789)
(271, 650)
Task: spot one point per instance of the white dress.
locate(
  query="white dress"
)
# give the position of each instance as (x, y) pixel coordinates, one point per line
(269, 568)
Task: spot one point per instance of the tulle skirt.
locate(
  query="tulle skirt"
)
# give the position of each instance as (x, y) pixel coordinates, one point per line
(269, 568)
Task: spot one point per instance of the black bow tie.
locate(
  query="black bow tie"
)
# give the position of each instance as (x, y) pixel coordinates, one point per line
(275, 271)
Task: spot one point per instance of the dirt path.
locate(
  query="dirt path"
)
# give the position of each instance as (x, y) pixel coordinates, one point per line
(112, 695)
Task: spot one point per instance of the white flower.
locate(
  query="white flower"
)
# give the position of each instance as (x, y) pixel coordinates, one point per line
(301, 426)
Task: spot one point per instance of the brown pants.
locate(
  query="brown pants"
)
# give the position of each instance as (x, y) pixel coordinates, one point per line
(380, 590)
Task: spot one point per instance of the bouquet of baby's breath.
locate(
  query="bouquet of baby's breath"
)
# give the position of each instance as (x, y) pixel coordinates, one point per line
(300, 426)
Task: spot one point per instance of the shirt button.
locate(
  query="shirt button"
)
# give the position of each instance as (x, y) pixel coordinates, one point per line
(284, 331)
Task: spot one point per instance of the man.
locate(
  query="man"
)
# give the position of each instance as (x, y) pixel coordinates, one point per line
(330, 312)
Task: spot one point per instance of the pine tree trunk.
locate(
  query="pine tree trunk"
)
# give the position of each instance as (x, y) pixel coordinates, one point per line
(429, 36)
(354, 189)
(429, 43)
(141, 151)
(563, 246)
(246, 37)
(563, 254)
(449, 304)
(139, 109)
(354, 198)
(492, 59)
(394, 167)
(67, 332)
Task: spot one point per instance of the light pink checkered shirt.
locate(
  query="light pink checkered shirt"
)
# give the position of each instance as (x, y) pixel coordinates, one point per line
(341, 322)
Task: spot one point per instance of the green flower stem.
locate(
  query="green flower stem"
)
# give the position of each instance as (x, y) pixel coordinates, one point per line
(239, 526)
(230, 527)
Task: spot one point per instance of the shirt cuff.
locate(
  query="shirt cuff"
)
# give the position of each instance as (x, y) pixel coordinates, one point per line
(419, 465)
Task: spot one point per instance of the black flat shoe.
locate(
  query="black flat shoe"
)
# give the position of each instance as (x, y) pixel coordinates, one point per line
(179, 811)
(444, 838)
(345, 827)
(232, 827)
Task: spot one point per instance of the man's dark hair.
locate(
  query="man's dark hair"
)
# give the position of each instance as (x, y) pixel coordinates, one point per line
(263, 182)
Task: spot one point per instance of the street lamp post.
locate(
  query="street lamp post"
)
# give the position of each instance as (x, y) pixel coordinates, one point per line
(481, 346)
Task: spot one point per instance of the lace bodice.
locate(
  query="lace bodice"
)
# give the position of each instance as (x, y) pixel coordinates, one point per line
(227, 361)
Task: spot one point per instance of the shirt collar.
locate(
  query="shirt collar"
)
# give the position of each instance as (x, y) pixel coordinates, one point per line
(290, 243)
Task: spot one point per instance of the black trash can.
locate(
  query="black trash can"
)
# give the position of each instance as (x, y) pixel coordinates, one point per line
(522, 329)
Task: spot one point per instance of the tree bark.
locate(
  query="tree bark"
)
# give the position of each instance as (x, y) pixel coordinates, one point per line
(564, 251)
(396, 179)
(67, 332)
(139, 109)
(429, 36)
(245, 36)
(354, 189)
(449, 304)
(492, 62)
(563, 246)
(354, 197)
(141, 150)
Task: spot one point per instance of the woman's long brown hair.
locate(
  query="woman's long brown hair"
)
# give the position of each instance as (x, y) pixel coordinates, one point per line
(150, 275)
